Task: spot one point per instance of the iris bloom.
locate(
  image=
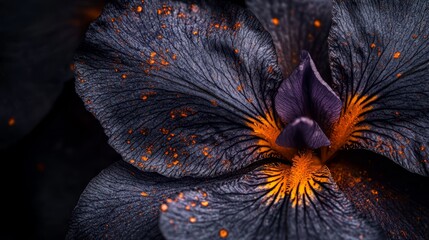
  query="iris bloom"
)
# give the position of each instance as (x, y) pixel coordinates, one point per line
(226, 126)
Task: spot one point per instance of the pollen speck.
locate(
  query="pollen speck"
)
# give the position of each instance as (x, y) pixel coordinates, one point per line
(195, 32)
(192, 219)
(223, 233)
(236, 51)
(11, 122)
(204, 203)
(372, 45)
(275, 21)
(144, 158)
(139, 9)
(123, 76)
(144, 194)
(398, 75)
(164, 207)
(152, 54)
(396, 55)
(317, 23)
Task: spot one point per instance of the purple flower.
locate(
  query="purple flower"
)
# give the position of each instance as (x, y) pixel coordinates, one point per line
(229, 126)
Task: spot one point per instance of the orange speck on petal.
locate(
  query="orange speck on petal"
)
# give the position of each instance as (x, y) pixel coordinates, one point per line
(275, 21)
(192, 219)
(317, 23)
(164, 207)
(139, 9)
(152, 54)
(132, 161)
(236, 51)
(223, 233)
(195, 32)
(396, 55)
(123, 76)
(398, 75)
(144, 194)
(372, 45)
(204, 203)
(144, 158)
(11, 122)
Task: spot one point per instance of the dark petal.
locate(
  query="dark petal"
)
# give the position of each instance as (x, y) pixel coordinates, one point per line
(180, 88)
(38, 41)
(385, 193)
(274, 201)
(248, 207)
(297, 25)
(305, 93)
(301, 133)
(317, 209)
(380, 62)
(122, 203)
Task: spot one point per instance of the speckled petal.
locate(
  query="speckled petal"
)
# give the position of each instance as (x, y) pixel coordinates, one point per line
(297, 25)
(379, 55)
(274, 201)
(180, 81)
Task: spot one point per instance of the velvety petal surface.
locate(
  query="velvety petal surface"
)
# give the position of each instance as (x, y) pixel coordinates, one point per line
(182, 88)
(123, 203)
(385, 193)
(274, 201)
(297, 25)
(379, 56)
(302, 133)
(306, 94)
(38, 41)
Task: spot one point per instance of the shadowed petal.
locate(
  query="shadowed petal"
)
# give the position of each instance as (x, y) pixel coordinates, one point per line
(380, 57)
(301, 133)
(385, 193)
(274, 201)
(122, 203)
(305, 93)
(38, 41)
(188, 83)
(297, 25)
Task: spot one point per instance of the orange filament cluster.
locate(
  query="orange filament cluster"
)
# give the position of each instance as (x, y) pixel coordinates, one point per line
(283, 180)
(348, 126)
(267, 130)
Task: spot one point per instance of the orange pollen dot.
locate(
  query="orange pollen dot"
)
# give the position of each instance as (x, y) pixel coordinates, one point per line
(396, 55)
(144, 194)
(123, 76)
(144, 97)
(11, 122)
(398, 75)
(204, 203)
(164, 207)
(174, 57)
(372, 45)
(139, 9)
(236, 51)
(192, 219)
(317, 23)
(132, 161)
(195, 32)
(152, 54)
(275, 21)
(144, 158)
(223, 233)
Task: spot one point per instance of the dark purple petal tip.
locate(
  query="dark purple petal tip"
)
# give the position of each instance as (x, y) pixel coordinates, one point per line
(301, 133)
(306, 94)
